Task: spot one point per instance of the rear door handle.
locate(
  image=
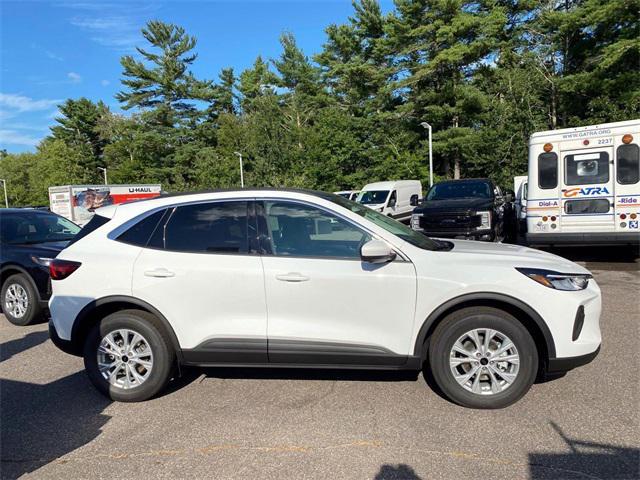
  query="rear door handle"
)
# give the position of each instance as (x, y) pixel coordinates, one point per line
(292, 277)
(159, 273)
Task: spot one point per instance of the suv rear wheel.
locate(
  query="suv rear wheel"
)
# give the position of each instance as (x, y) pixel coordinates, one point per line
(127, 357)
(20, 301)
(483, 357)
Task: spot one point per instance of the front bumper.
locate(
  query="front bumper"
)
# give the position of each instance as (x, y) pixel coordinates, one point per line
(559, 365)
(486, 234)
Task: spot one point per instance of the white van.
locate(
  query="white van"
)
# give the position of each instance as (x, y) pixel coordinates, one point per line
(396, 198)
(584, 185)
(520, 186)
(348, 194)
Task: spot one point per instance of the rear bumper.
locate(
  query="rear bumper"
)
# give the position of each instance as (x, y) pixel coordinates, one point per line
(64, 345)
(564, 364)
(585, 238)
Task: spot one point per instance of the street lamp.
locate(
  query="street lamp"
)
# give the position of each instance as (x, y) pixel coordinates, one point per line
(241, 174)
(428, 127)
(104, 170)
(4, 186)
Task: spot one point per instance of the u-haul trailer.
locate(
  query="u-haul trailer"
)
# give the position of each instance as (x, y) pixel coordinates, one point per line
(583, 185)
(78, 202)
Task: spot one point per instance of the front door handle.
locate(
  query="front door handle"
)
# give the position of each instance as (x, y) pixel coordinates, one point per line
(159, 273)
(292, 277)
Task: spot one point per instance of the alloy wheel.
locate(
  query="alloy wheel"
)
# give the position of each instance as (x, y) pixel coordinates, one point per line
(16, 300)
(125, 358)
(484, 361)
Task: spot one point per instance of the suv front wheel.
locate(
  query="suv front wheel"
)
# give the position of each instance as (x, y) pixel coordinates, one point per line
(127, 357)
(483, 357)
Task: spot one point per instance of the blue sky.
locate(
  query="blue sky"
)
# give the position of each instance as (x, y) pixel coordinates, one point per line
(50, 51)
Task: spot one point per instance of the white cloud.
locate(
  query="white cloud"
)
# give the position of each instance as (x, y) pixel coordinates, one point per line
(53, 56)
(12, 137)
(74, 77)
(104, 83)
(22, 103)
(120, 32)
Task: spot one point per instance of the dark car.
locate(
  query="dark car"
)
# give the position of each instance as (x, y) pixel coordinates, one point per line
(474, 209)
(29, 239)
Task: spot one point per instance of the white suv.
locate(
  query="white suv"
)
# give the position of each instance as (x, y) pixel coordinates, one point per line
(291, 278)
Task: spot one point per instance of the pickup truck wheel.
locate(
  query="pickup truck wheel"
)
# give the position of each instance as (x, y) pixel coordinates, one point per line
(20, 301)
(483, 357)
(127, 357)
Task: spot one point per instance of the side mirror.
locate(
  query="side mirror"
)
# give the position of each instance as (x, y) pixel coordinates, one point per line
(392, 202)
(413, 201)
(377, 251)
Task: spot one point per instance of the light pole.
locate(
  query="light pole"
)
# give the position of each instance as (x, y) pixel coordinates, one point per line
(4, 186)
(241, 174)
(104, 170)
(428, 127)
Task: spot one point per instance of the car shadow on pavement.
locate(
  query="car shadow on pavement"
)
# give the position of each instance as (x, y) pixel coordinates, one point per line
(41, 423)
(13, 347)
(585, 460)
(396, 472)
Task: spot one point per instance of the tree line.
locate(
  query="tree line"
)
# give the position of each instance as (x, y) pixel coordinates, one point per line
(485, 74)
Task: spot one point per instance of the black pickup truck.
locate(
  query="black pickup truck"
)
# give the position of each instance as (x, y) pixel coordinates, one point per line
(474, 209)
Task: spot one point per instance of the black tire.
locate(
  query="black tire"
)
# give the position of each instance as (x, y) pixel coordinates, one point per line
(465, 320)
(163, 355)
(33, 313)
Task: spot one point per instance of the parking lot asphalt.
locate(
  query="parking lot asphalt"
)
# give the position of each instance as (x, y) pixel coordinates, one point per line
(308, 424)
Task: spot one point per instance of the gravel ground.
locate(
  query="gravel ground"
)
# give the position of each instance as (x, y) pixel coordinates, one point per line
(253, 423)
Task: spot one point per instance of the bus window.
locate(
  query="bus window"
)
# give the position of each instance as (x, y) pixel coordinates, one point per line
(628, 157)
(586, 168)
(548, 170)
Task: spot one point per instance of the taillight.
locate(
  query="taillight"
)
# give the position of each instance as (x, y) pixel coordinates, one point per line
(61, 269)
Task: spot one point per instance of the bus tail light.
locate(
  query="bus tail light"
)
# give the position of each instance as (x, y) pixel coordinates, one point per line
(547, 147)
(627, 138)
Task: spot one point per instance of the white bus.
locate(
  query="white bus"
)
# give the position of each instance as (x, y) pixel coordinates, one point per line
(583, 185)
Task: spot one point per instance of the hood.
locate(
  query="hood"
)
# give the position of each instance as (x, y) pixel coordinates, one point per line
(373, 206)
(516, 255)
(462, 204)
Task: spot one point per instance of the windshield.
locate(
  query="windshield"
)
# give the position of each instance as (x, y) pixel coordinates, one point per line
(30, 227)
(373, 197)
(390, 225)
(466, 189)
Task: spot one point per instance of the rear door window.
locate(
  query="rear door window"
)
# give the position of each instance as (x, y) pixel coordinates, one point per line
(628, 161)
(586, 168)
(216, 227)
(548, 170)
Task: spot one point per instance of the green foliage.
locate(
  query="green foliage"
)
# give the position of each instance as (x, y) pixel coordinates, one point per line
(485, 74)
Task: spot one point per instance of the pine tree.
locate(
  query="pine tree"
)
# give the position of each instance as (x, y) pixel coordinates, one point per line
(164, 84)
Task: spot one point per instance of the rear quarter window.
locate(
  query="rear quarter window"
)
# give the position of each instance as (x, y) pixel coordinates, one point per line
(140, 233)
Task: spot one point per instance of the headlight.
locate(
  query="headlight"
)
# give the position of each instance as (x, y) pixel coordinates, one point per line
(485, 220)
(556, 280)
(415, 222)
(44, 261)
